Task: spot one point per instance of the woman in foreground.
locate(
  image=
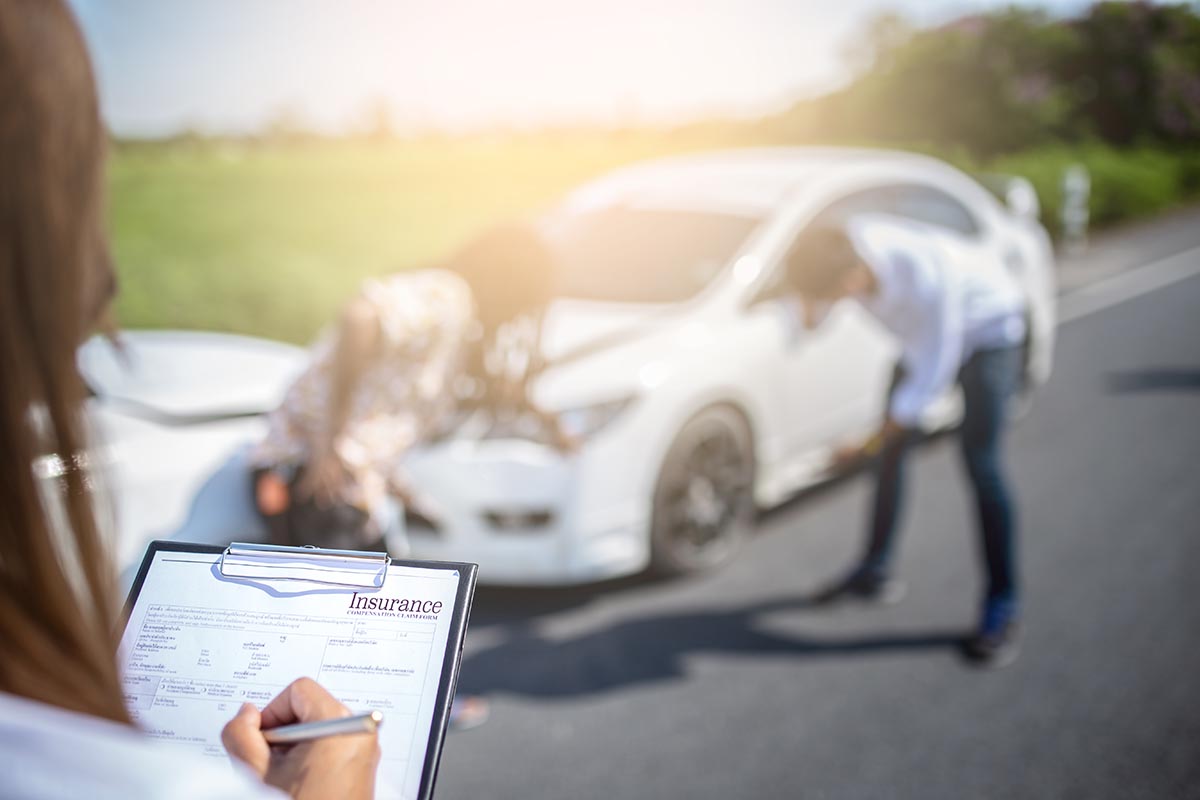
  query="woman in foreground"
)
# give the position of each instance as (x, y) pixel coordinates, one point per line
(64, 729)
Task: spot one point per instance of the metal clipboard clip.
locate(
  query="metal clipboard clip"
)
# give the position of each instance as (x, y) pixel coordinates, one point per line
(270, 562)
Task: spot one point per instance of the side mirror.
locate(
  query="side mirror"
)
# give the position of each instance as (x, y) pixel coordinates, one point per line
(1022, 200)
(1017, 194)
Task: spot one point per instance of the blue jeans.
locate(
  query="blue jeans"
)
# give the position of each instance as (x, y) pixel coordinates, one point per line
(988, 380)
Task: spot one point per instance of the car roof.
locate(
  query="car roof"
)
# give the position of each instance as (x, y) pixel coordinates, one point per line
(750, 181)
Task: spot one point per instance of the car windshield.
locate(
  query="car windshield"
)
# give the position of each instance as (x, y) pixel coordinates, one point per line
(637, 255)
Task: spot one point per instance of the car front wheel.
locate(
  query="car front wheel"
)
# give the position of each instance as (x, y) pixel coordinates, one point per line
(704, 499)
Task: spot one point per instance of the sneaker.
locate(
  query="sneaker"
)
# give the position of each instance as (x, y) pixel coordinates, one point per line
(863, 585)
(998, 641)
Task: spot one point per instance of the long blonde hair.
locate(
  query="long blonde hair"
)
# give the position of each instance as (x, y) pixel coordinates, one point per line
(58, 618)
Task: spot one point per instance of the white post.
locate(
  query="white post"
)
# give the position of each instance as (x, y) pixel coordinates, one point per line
(1076, 190)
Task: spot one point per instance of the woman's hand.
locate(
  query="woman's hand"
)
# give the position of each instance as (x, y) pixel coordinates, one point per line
(335, 766)
(271, 494)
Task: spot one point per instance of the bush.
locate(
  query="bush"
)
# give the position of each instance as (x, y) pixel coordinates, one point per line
(1126, 184)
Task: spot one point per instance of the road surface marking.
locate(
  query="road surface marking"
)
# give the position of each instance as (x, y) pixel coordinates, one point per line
(1128, 285)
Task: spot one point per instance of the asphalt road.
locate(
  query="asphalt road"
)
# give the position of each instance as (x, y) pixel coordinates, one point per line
(728, 686)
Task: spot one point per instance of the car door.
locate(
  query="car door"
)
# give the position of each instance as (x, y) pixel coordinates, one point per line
(837, 375)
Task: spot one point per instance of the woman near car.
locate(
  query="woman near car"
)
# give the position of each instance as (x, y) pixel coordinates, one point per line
(64, 728)
(392, 373)
(407, 353)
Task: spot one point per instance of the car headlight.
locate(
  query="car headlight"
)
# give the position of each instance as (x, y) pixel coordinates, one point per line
(583, 423)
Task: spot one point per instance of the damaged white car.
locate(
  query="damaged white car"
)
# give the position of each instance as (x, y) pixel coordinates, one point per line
(695, 392)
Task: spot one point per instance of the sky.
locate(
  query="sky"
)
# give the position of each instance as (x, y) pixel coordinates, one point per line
(233, 65)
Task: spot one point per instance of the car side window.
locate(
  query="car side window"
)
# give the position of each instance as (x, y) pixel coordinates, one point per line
(934, 207)
(877, 200)
(917, 202)
(868, 201)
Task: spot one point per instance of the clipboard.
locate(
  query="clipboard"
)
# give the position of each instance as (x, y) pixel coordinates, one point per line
(275, 581)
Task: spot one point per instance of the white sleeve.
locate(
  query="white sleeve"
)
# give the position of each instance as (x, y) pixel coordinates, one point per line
(932, 355)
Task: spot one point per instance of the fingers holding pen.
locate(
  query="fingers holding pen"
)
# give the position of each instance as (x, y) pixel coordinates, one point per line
(337, 766)
(243, 739)
(304, 700)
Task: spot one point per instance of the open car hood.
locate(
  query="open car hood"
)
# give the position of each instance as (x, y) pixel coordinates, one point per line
(185, 377)
(182, 376)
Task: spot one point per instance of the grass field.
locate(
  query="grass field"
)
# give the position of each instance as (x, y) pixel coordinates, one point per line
(270, 240)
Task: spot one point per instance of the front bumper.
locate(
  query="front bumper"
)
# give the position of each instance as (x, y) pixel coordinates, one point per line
(529, 515)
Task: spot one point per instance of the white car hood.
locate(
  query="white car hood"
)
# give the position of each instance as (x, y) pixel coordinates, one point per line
(615, 350)
(187, 374)
(612, 350)
(571, 324)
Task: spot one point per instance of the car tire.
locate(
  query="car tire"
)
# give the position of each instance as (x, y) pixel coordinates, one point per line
(704, 498)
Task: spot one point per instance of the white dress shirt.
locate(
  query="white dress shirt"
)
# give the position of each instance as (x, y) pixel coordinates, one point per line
(49, 753)
(943, 302)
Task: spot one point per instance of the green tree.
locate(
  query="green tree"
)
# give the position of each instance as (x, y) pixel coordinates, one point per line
(1136, 74)
(1017, 78)
(984, 84)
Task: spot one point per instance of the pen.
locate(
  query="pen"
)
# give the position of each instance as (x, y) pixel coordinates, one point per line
(303, 731)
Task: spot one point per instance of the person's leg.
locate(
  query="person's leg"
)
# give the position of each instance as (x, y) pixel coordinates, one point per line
(989, 380)
(889, 488)
(886, 508)
(870, 578)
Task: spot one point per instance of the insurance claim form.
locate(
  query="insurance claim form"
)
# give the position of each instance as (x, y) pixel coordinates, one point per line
(199, 643)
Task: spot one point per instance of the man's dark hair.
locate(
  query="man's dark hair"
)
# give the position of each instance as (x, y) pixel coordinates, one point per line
(512, 273)
(820, 260)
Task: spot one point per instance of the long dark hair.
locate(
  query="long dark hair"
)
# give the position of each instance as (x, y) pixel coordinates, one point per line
(512, 273)
(58, 610)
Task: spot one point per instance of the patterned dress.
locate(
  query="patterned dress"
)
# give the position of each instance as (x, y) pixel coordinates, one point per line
(404, 395)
